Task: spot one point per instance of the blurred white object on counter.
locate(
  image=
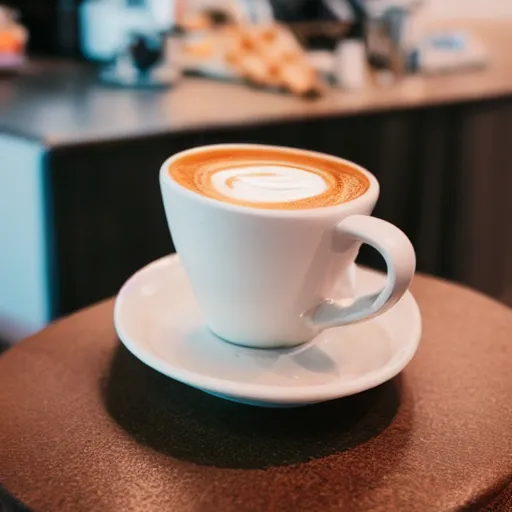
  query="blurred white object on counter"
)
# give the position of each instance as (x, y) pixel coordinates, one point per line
(350, 65)
(323, 61)
(106, 25)
(162, 12)
(449, 52)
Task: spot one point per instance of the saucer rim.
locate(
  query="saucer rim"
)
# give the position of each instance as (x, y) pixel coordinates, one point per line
(264, 392)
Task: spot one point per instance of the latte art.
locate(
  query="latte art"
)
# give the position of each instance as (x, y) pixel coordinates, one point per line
(268, 178)
(268, 184)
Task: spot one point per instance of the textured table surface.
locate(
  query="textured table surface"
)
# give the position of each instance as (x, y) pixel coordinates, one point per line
(85, 426)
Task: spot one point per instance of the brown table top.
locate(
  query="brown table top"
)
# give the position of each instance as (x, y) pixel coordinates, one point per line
(86, 426)
(62, 103)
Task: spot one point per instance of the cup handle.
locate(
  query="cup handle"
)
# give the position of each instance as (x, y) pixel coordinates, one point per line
(400, 258)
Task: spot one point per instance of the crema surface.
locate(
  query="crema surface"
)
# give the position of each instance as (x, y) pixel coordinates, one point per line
(268, 178)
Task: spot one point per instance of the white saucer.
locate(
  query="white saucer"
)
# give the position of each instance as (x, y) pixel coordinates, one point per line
(158, 320)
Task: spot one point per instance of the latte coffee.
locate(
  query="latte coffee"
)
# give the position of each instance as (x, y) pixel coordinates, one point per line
(268, 178)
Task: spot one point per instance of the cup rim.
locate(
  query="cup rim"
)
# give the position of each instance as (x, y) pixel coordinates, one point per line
(369, 195)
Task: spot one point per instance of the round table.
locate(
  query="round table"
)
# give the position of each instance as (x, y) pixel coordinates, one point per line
(86, 426)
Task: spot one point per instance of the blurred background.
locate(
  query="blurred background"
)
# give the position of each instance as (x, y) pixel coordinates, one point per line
(95, 94)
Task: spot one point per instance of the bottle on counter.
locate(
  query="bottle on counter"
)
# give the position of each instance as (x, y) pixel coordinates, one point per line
(350, 64)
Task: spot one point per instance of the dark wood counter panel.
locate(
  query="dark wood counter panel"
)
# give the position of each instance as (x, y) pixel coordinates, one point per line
(444, 173)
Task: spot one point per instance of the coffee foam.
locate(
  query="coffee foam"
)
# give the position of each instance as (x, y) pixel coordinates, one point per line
(268, 184)
(268, 178)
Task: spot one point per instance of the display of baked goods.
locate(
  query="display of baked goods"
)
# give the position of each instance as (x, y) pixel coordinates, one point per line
(269, 56)
(265, 55)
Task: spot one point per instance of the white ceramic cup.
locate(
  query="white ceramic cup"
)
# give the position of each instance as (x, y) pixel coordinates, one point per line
(271, 278)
